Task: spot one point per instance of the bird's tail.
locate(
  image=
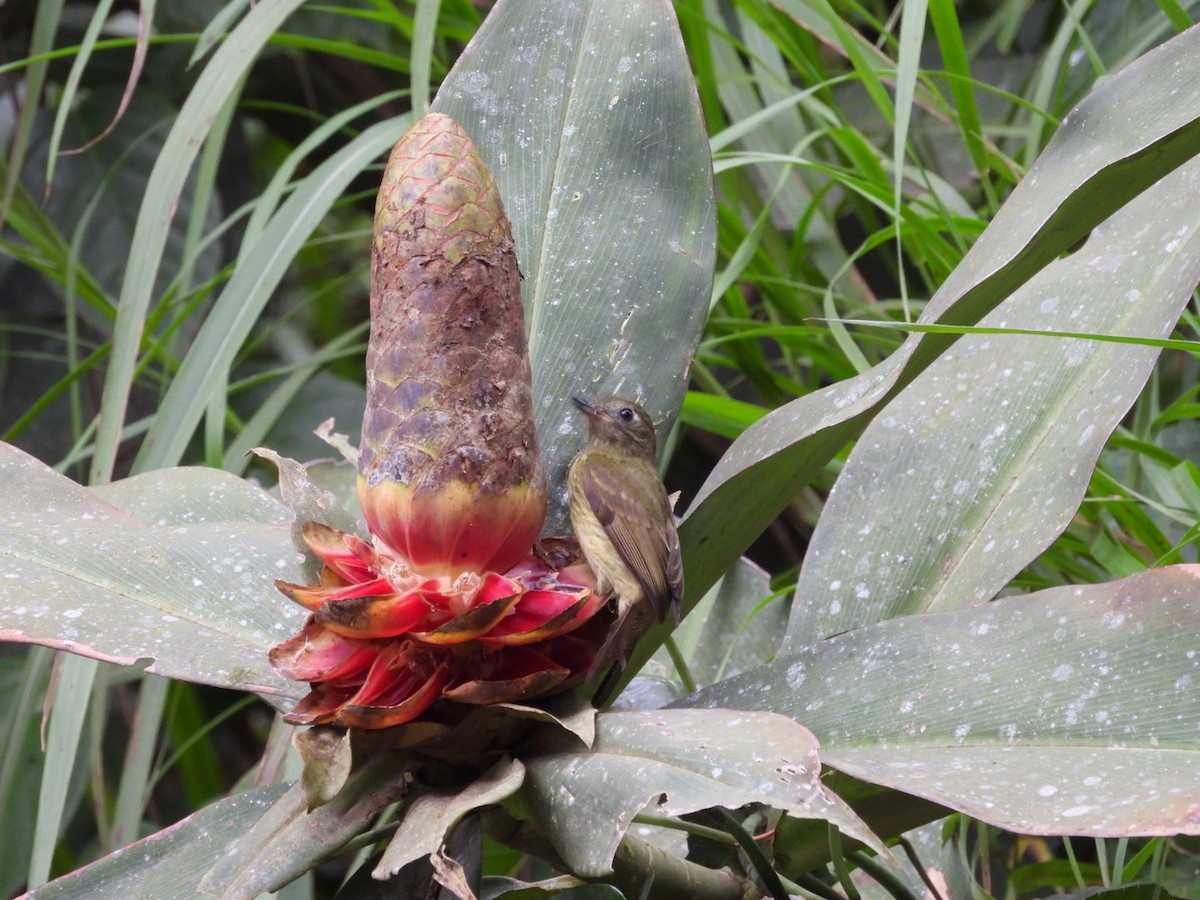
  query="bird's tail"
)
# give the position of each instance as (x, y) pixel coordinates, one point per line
(630, 625)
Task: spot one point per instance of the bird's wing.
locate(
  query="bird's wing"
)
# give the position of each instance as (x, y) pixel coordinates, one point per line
(633, 525)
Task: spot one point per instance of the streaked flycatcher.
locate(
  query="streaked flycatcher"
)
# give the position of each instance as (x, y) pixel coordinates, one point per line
(625, 526)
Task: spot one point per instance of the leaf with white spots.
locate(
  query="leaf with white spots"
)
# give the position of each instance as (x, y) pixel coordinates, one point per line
(676, 762)
(1072, 710)
(587, 116)
(187, 584)
(191, 495)
(979, 464)
(171, 862)
(308, 501)
(1136, 126)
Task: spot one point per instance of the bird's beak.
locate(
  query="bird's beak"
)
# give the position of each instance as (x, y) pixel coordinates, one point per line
(586, 408)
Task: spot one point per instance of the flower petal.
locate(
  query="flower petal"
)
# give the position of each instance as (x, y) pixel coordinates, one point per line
(378, 616)
(523, 673)
(313, 598)
(320, 705)
(496, 587)
(331, 547)
(317, 654)
(543, 614)
(476, 621)
(396, 690)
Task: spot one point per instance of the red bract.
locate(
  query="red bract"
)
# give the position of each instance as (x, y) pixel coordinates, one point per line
(447, 599)
(384, 642)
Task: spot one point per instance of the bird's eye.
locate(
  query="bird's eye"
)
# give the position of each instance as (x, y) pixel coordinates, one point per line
(626, 414)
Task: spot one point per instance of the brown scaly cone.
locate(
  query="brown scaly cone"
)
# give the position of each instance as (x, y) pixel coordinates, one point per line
(449, 471)
(448, 604)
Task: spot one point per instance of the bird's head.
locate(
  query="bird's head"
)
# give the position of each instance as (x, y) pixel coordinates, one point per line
(619, 425)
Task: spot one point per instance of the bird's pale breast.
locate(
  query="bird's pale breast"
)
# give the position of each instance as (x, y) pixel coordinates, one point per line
(602, 556)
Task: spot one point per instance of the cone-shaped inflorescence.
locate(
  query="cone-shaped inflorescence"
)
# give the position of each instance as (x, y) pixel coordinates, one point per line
(449, 471)
(448, 600)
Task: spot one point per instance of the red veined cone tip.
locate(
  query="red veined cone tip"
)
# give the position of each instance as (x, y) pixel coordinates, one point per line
(450, 473)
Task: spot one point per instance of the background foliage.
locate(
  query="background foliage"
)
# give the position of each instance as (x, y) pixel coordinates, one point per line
(254, 299)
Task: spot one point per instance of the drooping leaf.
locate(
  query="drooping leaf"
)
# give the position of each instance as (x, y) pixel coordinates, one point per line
(587, 116)
(326, 755)
(433, 813)
(1072, 710)
(189, 588)
(282, 418)
(675, 761)
(171, 862)
(569, 712)
(308, 501)
(976, 466)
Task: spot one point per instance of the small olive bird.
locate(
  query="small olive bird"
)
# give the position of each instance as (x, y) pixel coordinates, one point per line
(625, 527)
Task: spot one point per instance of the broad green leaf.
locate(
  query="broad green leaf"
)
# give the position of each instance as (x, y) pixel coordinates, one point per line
(191, 496)
(285, 842)
(676, 762)
(587, 116)
(166, 497)
(171, 862)
(1072, 710)
(190, 589)
(1134, 128)
(980, 463)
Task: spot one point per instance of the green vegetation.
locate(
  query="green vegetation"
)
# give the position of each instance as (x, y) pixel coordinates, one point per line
(184, 262)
